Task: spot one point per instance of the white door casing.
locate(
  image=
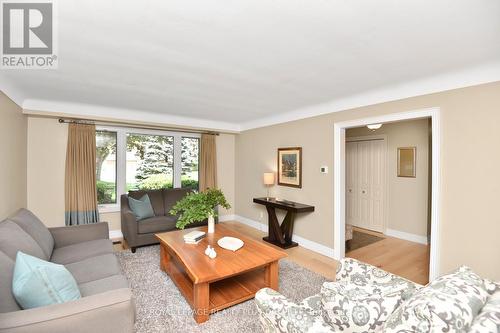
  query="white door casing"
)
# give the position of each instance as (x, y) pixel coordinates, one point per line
(339, 178)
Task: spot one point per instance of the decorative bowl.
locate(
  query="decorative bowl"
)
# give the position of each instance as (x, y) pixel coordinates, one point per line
(230, 243)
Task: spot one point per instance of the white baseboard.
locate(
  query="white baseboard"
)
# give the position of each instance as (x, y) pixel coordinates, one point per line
(316, 247)
(225, 218)
(305, 243)
(251, 223)
(406, 236)
(116, 235)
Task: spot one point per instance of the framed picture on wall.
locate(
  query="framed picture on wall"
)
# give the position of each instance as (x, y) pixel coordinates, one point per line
(290, 167)
(407, 166)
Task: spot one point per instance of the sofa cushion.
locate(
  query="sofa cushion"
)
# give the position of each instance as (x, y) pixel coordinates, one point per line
(491, 287)
(171, 196)
(36, 229)
(7, 301)
(94, 268)
(352, 308)
(80, 251)
(278, 314)
(156, 224)
(360, 274)
(103, 285)
(37, 282)
(141, 208)
(13, 238)
(447, 304)
(488, 320)
(313, 304)
(156, 198)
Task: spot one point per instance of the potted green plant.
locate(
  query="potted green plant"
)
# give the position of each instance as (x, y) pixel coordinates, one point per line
(196, 207)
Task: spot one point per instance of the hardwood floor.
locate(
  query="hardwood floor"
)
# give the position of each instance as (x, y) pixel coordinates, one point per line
(407, 259)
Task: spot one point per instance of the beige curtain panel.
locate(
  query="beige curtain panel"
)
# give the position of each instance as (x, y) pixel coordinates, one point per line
(80, 182)
(208, 162)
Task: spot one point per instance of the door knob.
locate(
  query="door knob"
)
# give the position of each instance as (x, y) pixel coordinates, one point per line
(364, 192)
(350, 190)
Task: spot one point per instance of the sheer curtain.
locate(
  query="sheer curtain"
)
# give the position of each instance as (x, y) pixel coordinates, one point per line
(208, 162)
(80, 182)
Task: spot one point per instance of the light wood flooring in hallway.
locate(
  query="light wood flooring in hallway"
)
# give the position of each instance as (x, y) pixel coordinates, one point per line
(407, 259)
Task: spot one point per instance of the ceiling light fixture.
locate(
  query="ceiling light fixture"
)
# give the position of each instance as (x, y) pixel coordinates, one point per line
(374, 127)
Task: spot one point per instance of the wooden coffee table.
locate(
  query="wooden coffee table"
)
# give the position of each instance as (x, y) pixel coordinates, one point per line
(210, 285)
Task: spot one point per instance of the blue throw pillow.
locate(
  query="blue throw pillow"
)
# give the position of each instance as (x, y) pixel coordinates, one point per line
(37, 282)
(141, 208)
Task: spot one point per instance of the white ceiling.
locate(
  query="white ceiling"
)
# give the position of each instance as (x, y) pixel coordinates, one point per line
(238, 64)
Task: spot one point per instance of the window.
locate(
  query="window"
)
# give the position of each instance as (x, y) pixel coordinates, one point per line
(190, 161)
(131, 159)
(150, 162)
(106, 167)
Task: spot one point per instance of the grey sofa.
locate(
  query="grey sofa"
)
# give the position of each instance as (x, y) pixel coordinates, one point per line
(86, 251)
(140, 233)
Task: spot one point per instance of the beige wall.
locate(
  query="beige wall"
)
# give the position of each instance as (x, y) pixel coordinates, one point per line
(46, 162)
(13, 127)
(407, 198)
(470, 223)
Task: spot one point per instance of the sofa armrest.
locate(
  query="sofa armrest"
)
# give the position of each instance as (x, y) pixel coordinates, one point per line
(128, 221)
(111, 311)
(64, 236)
(278, 314)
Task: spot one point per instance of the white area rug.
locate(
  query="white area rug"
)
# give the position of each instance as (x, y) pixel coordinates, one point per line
(162, 308)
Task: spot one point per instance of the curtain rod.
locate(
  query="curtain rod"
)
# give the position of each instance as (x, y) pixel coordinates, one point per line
(128, 125)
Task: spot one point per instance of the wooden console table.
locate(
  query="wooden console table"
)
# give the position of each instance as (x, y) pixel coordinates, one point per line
(281, 235)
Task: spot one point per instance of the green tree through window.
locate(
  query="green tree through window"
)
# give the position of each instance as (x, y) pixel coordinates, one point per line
(148, 165)
(106, 167)
(190, 162)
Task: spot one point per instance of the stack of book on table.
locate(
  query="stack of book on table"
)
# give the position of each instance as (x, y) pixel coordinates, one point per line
(194, 237)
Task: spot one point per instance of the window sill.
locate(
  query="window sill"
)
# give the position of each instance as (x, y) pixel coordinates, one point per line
(109, 208)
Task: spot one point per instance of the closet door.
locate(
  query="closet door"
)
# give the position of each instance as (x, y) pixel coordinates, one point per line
(352, 205)
(364, 180)
(377, 186)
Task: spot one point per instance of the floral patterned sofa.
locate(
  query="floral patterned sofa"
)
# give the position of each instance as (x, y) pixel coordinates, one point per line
(365, 298)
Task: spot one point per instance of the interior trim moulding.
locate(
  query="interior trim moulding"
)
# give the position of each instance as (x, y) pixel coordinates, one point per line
(103, 113)
(473, 76)
(339, 197)
(440, 83)
(407, 236)
(120, 124)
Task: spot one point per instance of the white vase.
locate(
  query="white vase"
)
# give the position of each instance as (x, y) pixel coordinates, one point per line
(211, 224)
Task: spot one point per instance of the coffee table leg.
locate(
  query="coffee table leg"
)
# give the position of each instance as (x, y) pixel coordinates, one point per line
(272, 276)
(201, 302)
(164, 258)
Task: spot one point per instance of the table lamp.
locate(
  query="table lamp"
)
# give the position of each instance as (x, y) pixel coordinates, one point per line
(268, 181)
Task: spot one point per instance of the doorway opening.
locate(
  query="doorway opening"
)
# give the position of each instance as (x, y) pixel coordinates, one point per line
(387, 197)
(387, 190)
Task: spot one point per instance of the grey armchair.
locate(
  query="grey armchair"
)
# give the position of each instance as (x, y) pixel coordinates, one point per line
(141, 233)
